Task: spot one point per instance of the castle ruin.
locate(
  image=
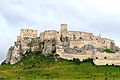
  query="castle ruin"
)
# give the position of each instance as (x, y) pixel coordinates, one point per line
(69, 45)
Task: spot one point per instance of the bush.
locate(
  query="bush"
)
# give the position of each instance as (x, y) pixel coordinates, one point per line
(36, 59)
(108, 51)
(76, 60)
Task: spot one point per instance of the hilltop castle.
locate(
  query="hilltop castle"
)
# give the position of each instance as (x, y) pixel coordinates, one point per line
(68, 44)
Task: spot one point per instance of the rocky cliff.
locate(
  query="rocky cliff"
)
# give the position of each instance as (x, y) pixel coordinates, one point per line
(15, 53)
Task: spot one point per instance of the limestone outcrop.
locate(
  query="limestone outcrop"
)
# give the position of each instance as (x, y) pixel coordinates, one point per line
(14, 55)
(9, 54)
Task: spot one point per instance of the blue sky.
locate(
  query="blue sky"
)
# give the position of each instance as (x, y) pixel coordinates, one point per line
(96, 16)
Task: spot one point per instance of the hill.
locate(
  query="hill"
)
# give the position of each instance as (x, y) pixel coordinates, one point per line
(36, 66)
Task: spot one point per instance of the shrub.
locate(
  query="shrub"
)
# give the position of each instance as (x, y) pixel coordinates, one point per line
(108, 51)
(76, 60)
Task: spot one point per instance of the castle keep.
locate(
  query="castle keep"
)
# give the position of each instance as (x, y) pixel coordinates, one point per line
(68, 44)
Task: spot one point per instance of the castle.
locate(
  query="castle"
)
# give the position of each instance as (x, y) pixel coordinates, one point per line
(68, 44)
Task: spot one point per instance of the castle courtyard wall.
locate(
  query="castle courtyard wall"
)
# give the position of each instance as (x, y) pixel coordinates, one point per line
(95, 43)
(106, 62)
(71, 56)
(106, 58)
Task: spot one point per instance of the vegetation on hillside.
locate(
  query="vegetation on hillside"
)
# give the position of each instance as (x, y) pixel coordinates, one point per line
(108, 51)
(36, 66)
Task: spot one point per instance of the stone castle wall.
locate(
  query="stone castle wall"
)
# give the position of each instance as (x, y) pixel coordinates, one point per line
(99, 58)
(70, 56)
(107, 62)
(28, 33)
(77, 38)
(95, 43)
(50, 34)
(106, 58)
(26, 38)
(77, 35)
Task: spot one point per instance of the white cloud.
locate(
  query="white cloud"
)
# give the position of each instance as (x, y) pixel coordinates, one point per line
(97, 16)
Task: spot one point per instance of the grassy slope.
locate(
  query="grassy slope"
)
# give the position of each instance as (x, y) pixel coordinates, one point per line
(35, 66)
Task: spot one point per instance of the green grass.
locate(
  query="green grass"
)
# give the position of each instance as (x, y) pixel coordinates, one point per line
(46, 69)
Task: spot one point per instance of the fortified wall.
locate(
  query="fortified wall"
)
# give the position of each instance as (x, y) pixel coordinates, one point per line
(105, 44)
(77, 38)
(70, 56)
(106, 58)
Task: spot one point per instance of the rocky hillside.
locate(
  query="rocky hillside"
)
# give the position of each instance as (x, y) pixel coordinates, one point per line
(15, 53)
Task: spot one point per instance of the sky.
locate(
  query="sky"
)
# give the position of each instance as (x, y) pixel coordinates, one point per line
(95, 16)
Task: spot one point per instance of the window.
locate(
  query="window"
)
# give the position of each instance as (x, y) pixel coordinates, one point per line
(74, 37)
(96, 57)
(75, 47)
(80, 37)
(105, 57)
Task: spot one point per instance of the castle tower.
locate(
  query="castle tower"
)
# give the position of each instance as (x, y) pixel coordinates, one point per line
(63, 32)
(63, 28)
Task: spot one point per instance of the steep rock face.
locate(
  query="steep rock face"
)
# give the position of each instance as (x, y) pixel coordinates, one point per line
(16, 55)
(16, 52)
(9, 54)
(13, 55)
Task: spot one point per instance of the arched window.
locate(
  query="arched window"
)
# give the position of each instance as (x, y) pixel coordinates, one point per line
(105, 57)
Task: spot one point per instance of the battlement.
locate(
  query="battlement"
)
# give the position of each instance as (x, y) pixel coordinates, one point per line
(28, 33)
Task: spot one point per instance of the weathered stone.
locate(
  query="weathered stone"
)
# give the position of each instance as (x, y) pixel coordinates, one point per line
(87, 47)
(9, 54)
(14, 55)
(49, 47)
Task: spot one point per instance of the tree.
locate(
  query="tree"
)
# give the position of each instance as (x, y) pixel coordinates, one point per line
(108, 51)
